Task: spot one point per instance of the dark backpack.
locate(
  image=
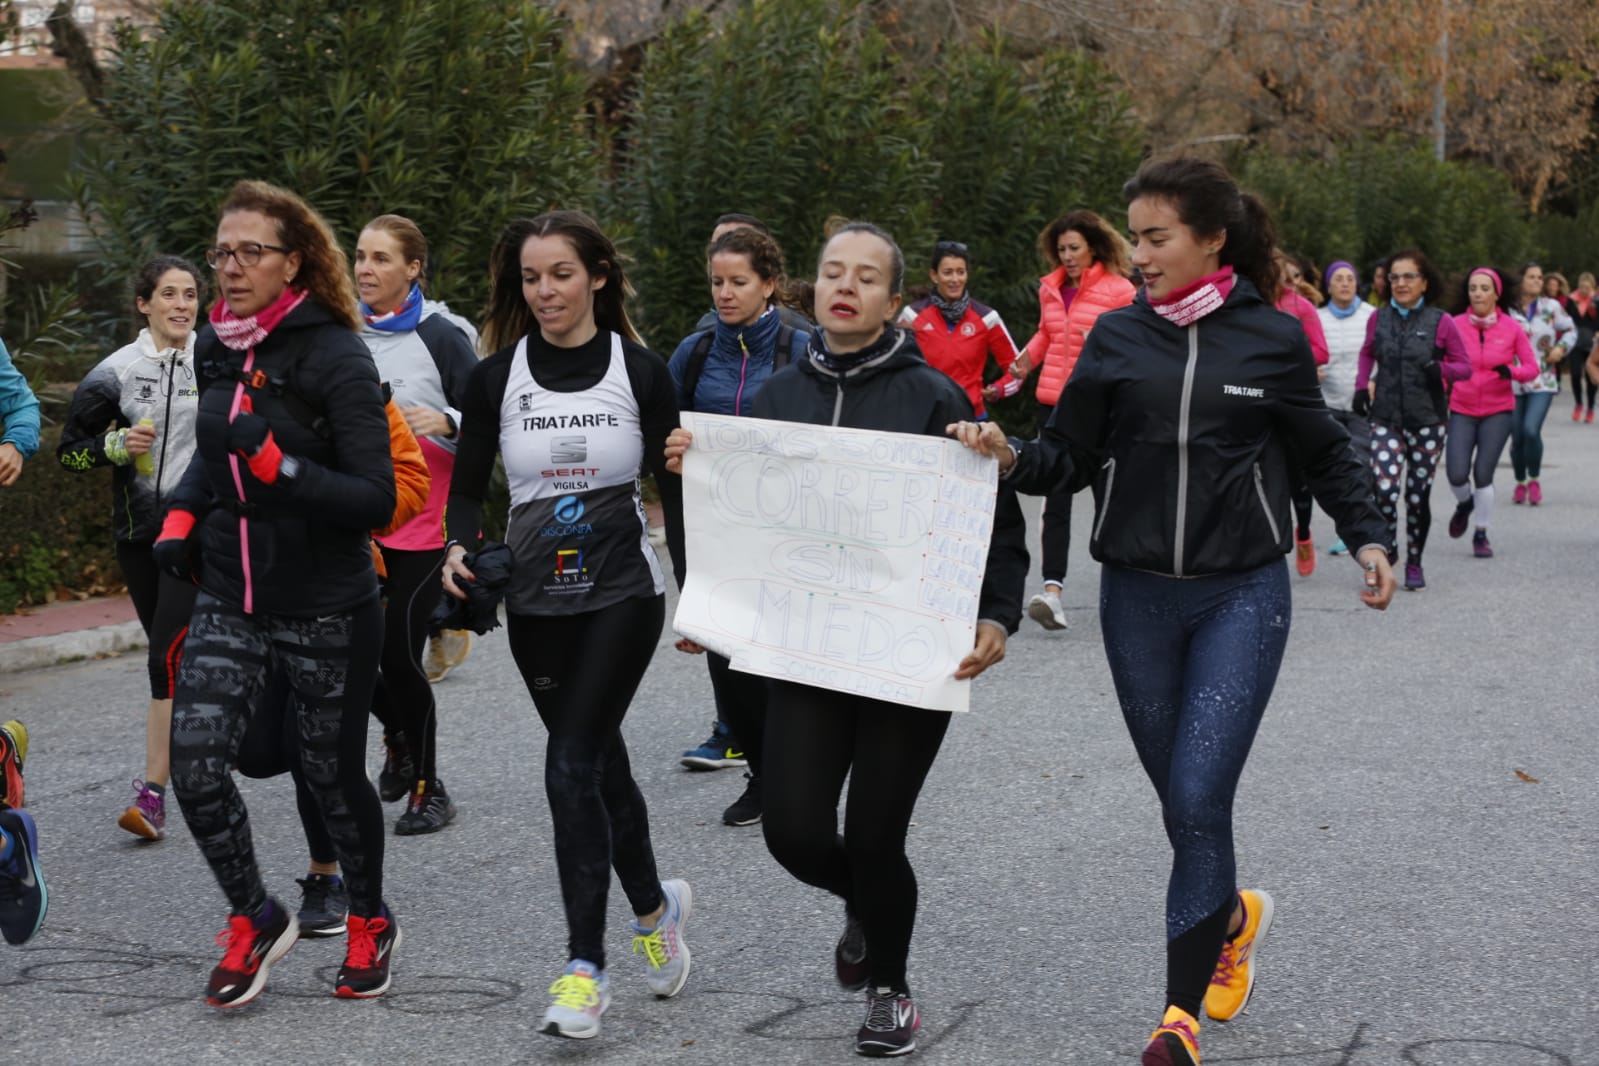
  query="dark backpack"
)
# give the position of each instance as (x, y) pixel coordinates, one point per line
(702, 351)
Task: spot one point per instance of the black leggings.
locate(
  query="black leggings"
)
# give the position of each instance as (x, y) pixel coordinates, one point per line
(814, 738)
(163, 604)
(329, 666)
(1055, 527)
(582, 671)
(1577, 363)
(403, 700)
(741, 703)
(271, 746)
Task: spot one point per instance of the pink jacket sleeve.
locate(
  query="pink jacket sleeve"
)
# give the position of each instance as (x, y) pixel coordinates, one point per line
(1456, 365)
(1363, 376)
(1305, 311)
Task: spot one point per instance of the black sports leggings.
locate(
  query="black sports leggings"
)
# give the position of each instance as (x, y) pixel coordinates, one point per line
(329, 665)
(814, 738)
(582, 671)
(163, 604)
(271, 746)
(403, 701)
(1055, 527)
(1577, 363)
(741, 703)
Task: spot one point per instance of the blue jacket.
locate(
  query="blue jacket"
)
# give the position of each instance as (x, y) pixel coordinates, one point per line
(19, 410)
(734, 372)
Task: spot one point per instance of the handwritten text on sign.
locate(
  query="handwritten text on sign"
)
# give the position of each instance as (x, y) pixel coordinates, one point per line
(841, 558)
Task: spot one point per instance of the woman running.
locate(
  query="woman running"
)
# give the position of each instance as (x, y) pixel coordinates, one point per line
(1552, 333)
(579, 409)
(1186, 412)
(1298, 297)
(426, 359)
(721, 370)
(1090, 278)
(135, 412)
(1418, 350)
(864, 374)
(958, 335)
(1584, 312)
(291, 470)
(1480, 406)
(1343, 323)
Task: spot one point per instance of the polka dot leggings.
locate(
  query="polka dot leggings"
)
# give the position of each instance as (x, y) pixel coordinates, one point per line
(1417, 451)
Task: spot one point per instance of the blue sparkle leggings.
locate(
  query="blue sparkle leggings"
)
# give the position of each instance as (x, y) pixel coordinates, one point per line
(1194, 661)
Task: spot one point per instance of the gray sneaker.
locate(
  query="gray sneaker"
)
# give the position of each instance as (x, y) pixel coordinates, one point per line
(663, 947)
(324, 905)
(1045, 609)
(581, 995)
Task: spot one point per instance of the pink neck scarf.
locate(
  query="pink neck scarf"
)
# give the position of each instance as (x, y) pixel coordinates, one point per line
(242, 334)
(1193, 302)
(1483, 321)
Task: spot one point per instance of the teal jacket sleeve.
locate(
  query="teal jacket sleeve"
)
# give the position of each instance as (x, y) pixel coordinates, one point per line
(19, 410)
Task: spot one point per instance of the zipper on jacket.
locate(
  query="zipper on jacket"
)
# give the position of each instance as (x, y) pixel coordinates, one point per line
(1104, 501)
(1265, 505)
(1182, 449)
(743, 369)
(166, 430)
(838, 403)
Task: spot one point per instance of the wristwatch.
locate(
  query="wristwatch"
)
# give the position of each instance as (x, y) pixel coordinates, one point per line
(288, 468)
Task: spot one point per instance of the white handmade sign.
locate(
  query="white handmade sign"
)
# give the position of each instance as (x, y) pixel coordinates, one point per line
(842, 558)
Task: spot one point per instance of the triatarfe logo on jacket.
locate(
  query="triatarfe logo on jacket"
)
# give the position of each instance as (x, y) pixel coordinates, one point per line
(1241, 390)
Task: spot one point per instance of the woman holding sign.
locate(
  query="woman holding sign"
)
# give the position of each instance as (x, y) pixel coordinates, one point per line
(862, 374)
(1186, 412)
(577, 406)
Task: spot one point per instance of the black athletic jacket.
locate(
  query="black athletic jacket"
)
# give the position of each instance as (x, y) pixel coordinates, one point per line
(1189, 437)
(308, 551)
(897, 392)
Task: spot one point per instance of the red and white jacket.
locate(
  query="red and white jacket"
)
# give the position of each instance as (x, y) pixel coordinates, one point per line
(962, 351)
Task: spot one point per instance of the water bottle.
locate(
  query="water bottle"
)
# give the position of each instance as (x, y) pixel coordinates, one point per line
(145, 464)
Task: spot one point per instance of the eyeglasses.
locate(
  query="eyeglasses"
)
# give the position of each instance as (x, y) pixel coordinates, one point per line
(247, 254)
(1404, 277)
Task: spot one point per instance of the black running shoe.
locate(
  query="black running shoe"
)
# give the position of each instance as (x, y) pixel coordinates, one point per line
(849, 957)
(23, 896)
(891, 1024)
(252, 950)
(365, 972)
(398, 775)
(324, 904)
(429, 811)
(746, 810)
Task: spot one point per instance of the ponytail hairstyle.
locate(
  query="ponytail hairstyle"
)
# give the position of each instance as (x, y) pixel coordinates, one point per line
(1209, 202)
(408, 235)
(324, 273)
(765, 257)
(149, 276)
(509, 318)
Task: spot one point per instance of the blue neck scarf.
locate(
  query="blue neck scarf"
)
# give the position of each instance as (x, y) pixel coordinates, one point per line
(1343, 312)
(1404, 312)
(401, 319)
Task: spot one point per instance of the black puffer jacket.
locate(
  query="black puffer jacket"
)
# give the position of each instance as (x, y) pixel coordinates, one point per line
(895, 390)
(307, 537)
(1188, 437)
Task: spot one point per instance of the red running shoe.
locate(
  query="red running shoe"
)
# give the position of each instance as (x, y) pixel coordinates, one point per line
(1520, 495)
(252, 950)
(1589, 416)
(365, 972)
(1534, 493)
(1305, 556)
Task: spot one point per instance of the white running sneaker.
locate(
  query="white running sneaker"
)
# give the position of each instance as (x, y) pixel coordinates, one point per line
(1045, 609)
(581, 995)
(663, 948)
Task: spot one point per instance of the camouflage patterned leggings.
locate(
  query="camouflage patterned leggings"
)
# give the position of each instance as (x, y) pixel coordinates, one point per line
(330, 665)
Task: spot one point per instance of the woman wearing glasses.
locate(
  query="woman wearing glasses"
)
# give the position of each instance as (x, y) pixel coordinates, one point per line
(958, 335)
(1090, 278)
(1417, 348)
(134, 412)
(1552, 333)
(292, 468)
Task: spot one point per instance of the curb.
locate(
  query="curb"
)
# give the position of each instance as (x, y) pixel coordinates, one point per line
(36, 652)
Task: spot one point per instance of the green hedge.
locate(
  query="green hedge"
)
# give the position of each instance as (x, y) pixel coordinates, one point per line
(57, 531)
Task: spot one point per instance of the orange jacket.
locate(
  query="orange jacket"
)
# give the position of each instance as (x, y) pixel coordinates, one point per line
(1062, 330)
(411, 479)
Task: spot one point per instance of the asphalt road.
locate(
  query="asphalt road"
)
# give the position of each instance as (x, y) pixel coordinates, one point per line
(1422, 802)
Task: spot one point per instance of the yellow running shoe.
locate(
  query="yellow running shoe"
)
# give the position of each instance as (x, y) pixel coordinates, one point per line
(13, 753)
(1175, 1043)
(1234, 978)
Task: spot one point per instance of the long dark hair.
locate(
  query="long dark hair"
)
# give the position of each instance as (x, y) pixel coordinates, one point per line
(1435, 283)
(765, 256)
(1209, 202)
(324, 270)
(149, 276)
(509, 318)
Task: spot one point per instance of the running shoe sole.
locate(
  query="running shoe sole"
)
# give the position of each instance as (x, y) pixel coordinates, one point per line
(290, 937)
(685, 911)
(699, 762)
(553, 1028)
(30, 847)
(1038, 610)
(322, 932)
(346, 992)
(134, 821)
(1268, 908)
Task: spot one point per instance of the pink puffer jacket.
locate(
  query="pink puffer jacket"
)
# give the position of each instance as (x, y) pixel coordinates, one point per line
(1062, 330)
